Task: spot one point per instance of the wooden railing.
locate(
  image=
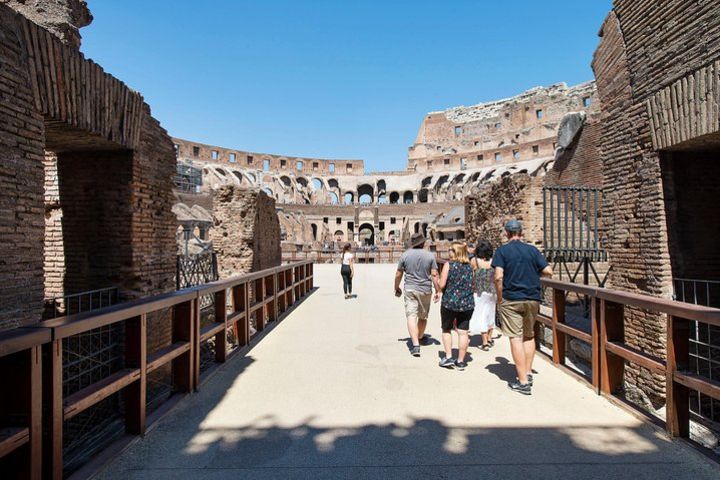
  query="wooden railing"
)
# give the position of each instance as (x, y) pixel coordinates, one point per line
(610, 352)
(33, 400)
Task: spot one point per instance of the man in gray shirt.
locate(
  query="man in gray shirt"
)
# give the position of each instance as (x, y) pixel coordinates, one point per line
(421, 273)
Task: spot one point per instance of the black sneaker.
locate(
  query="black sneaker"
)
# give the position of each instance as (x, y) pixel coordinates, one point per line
(516, 386)
(530, 379)
(425, 340)
(447, 362)
(460, 365)
(415, 351)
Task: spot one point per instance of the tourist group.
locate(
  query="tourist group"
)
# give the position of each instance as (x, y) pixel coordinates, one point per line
(478, 289)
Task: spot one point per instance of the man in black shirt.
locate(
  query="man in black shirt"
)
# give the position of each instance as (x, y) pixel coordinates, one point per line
(518, 268)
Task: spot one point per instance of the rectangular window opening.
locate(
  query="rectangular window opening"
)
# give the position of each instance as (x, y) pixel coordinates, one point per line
(232, 158)
(331, 168)
(249, 159)
(498, 157)
(196, 151)
(536, 149)
(214, 155)
(539, 114)
(516, 153)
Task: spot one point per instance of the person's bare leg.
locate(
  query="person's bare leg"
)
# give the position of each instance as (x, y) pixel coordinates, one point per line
(529, 349)
(447, 343)
(463, 342)
(484, 338)
(421, 325)
(490, 334)
(517, 348)
(412, 326)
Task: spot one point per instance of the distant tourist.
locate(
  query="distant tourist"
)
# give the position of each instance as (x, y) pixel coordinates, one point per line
(347, 270)
(518, 268)
(483, 319)
(456, 309)
(421, 274)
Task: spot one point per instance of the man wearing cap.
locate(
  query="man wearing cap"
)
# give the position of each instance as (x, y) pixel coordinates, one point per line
(518, 268)
(421, 274)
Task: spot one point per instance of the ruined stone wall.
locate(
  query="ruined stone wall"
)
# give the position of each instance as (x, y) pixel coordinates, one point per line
(520, 128)
(517, 196)
(275, 163)
(246, 231)
(580, 164)
(21, 182)
(62, 18)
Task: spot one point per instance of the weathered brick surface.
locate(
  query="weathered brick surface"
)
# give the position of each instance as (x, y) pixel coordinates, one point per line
(246, 231)
(21, 182)
(105, 179)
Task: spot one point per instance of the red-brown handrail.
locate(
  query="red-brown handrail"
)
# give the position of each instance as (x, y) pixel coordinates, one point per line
(274, 291)
(610, 352)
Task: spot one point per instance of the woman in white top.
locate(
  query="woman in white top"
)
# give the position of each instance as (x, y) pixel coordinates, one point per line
(347, 270)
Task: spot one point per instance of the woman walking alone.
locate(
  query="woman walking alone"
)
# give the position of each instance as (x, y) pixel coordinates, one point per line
(483, 318)
(347, 270)
(456, 308)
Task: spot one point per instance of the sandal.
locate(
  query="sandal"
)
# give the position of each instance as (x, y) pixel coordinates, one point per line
(485, 348)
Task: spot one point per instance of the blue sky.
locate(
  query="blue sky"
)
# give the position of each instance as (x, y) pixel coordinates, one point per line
(334, 79)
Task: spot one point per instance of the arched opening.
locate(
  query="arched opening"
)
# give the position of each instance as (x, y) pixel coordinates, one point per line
(317, 183)
(416, 227)
(349, 198)
(426, 182)
(333, 198)
(365, 193)
(333, 183)
(408, 197)
(382, 199)
(286, 180)
(302, 181)
(366, 234)
(314, 230)
(394, 198)
(220, 171)
(251, 177)
(238, 175)
(423, 195)
(381, 186)
(268, 192)
(441, 181)
(424, 229)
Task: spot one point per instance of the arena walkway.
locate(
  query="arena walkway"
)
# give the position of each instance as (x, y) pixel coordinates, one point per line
(331, 392)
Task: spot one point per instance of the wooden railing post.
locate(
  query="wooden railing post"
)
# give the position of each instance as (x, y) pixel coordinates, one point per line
(677, 395)
(595, 332)
(271, 293)
(558, 316)
(53, 418)
(259, 292)
(240, 304)
(35, 412)
(136, 357)
(221, 317)
(289, 285)
(612, 367)
(280, 286)
(182, 331)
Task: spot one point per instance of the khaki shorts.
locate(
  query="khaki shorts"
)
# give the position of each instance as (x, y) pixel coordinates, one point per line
(417, 305)
(518, 317)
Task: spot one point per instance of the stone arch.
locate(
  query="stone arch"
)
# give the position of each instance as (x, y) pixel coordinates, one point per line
(348, 198)
(366, 234)
(333, 198)
(286, 180)
(408, 197)
(314, 230)
(441, 181)
(333, 183)
(318, 184)
(394, 197)
(381, 185)
(426, 181)
(302, 181)
(423, 195)
(251, 177)
(366, 193)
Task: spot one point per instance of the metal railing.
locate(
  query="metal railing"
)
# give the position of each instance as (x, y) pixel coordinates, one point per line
(32, 361)
(610, 352)
(85, 301)
(704, 341)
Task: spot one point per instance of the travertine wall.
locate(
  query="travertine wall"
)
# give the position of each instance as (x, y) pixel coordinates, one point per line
(523, 127)
(246, 231)
(266, 161)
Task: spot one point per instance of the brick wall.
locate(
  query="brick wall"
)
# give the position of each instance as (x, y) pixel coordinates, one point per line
(517, 196)
(21, 182)
(246, 231)
(580, 164)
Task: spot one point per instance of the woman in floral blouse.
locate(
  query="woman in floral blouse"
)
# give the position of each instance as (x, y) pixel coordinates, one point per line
(456, 309)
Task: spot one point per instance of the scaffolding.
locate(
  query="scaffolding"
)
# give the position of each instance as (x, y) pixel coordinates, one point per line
(188, 179)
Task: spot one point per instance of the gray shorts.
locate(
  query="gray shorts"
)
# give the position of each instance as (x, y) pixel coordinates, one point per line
(417, 305)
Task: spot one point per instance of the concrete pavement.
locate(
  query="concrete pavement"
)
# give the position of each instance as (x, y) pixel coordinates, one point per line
(332, 392)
